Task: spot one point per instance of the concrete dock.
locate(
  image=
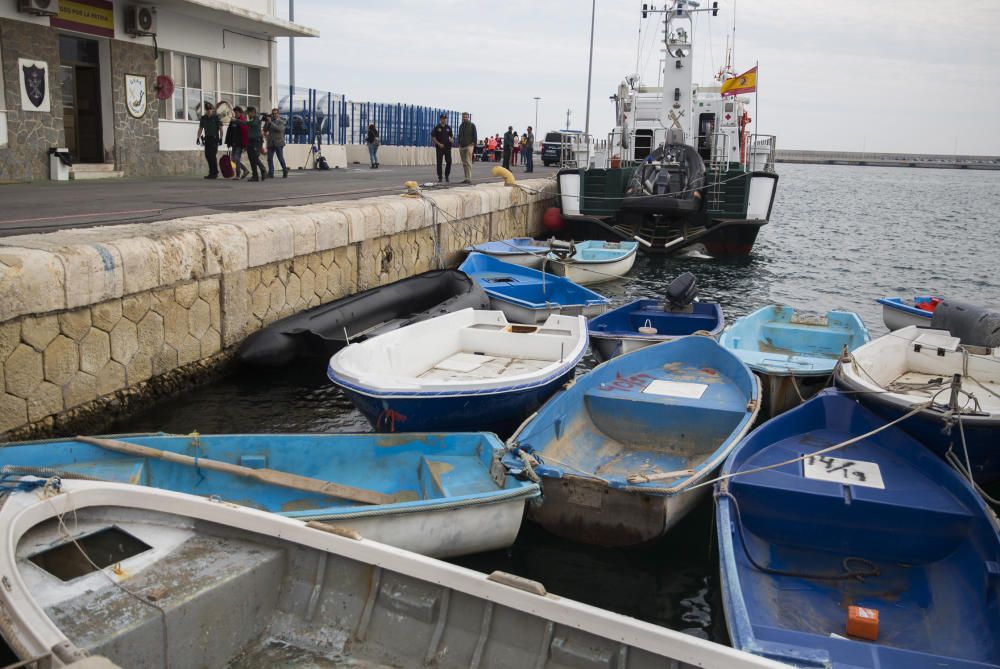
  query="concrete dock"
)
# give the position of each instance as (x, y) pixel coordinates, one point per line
(95, 321)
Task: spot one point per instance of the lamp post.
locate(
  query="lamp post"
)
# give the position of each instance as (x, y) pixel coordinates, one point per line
(536, 112)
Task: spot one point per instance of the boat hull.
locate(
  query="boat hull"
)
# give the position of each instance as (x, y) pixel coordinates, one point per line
(586, 273)
(498, 412)
(520, 313)
(606, 347)
(786, 391)
(897, 319)
(588, 511)
(617, 332)
(532, 260)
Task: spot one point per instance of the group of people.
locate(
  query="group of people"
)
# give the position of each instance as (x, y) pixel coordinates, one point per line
(511, 148)
(511, 145)
(249, 133)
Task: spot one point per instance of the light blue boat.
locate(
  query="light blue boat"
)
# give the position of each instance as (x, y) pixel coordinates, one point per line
(523, 251)
(620, 450)
(528, 296)
(794, 352)
(594, 261)
(448, 492)
(880, 523)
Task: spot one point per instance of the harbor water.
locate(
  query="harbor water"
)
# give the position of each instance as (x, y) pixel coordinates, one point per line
(839, 238)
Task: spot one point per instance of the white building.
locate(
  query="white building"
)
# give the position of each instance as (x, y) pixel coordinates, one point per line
(83, 74)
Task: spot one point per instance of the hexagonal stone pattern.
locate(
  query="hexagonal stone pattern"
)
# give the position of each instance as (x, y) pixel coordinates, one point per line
(134, 307)
(199, 318)
(47, 399)
(13, 412)
(75, 324)
(39, 330)
(95, 351)
(110, 378)
(23, 371)
(107, 314)
(186, 294)
(10, 337)
(82, 388)
(124, 341)
(61, 360)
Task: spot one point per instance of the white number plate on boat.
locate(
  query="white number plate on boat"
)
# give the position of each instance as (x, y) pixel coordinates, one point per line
(839, 470)
(692, 391)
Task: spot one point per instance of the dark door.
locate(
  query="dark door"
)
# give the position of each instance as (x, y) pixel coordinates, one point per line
(80, 76)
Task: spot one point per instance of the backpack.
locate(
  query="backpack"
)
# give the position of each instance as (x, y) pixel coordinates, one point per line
(321, 163)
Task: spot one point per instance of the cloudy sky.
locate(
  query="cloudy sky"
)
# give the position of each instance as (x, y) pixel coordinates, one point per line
(880, 75)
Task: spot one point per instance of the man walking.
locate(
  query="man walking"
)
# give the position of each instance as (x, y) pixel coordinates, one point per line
(467, 145)
(255, 144)
(443, 139)
(529, 150)
(508, 143)
(275, 126)
(210, 133)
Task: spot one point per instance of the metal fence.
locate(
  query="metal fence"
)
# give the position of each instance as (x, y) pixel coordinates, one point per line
(333, 119)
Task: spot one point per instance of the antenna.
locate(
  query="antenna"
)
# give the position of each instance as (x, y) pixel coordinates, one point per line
(568, 112)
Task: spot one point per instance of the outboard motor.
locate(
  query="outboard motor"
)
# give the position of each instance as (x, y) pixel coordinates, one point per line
(681, 293)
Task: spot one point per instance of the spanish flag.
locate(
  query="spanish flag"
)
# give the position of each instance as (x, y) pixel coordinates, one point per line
(744, 83)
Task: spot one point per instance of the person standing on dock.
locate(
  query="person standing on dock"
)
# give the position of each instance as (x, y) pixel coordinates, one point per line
(529, 150)
(443, 138)
(255, 144)
(508, 143)
(467, 140)
(236, 139)
(275, 127)
(372, 140)
(210, 134)
(515, 147)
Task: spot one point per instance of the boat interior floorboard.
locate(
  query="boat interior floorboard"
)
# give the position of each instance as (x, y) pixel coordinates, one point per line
(929, 385)
(462, 366)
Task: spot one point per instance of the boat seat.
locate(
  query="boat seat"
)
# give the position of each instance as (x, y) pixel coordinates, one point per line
(828, 340)
(454, 475)
(635, 411)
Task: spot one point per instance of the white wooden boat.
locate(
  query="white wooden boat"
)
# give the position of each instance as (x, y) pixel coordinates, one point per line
(153, 578)
(468, 370)
(595, 262)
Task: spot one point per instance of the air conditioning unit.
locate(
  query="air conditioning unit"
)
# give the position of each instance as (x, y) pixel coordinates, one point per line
(39, 7)
(140, 21)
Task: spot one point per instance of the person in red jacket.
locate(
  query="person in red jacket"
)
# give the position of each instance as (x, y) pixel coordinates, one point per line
(237, 139)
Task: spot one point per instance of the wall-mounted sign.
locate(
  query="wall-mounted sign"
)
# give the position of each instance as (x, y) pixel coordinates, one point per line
(94, 17)
(135, 95)
(34, 84)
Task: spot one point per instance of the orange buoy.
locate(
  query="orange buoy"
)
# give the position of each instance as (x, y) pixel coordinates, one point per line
(552, 220)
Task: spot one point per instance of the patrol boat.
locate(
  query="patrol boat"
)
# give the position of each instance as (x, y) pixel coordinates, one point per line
(682, 167)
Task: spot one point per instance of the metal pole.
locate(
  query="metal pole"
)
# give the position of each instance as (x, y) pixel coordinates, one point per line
(590, 72)
(536, 113)
(291, 49)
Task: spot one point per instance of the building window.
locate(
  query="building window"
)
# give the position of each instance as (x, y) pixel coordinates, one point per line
(199, 80)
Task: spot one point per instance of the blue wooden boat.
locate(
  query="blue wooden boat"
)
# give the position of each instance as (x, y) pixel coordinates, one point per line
(618, 451)
(526, 295)
(523, 251)
(898, 312)
(445, 494)
(793, 352)
(881, 524)
(469, 370)
(650, 321)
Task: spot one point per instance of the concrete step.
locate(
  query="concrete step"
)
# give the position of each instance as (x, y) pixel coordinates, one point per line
(95, 171)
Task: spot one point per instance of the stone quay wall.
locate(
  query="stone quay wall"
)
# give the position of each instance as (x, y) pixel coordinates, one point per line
(95, 322)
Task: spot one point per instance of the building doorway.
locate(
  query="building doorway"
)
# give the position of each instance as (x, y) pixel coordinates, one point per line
(79, 72)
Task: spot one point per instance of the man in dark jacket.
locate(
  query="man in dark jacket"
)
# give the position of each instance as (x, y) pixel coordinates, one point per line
(508, 145)
(467, 139)
(210, 133)
(275, 127)
(255, 144)
(443, 138)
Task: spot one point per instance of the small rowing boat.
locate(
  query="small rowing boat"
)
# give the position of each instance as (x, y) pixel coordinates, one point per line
(528, 296)
(649, 321)
(523, 251)
(618, 451)
(875, 554)
(431, 493)
(898, 312)
(793, 352)
(470, 370)
(594, 262)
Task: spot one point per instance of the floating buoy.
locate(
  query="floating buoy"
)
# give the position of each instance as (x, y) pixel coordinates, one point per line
(552, 220)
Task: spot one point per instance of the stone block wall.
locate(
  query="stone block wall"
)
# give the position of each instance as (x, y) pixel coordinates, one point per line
(30, 134)
(137, 140)
(94, 320)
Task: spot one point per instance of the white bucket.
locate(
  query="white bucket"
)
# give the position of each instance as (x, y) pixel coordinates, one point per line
(569, 190)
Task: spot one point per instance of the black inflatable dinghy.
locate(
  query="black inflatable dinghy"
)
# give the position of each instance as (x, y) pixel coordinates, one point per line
(975, 325)
(324, 330)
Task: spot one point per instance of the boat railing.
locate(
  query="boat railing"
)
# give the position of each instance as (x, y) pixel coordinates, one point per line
(761, 150)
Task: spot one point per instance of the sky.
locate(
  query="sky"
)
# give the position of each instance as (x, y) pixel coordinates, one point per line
(916, 76)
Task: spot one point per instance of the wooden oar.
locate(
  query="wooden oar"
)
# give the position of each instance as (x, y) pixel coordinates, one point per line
(272, 476)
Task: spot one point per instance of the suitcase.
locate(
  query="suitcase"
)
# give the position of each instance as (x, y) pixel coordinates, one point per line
(227, 167)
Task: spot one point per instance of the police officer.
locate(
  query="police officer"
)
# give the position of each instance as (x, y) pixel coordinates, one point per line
(210, 131)
(443, 138)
